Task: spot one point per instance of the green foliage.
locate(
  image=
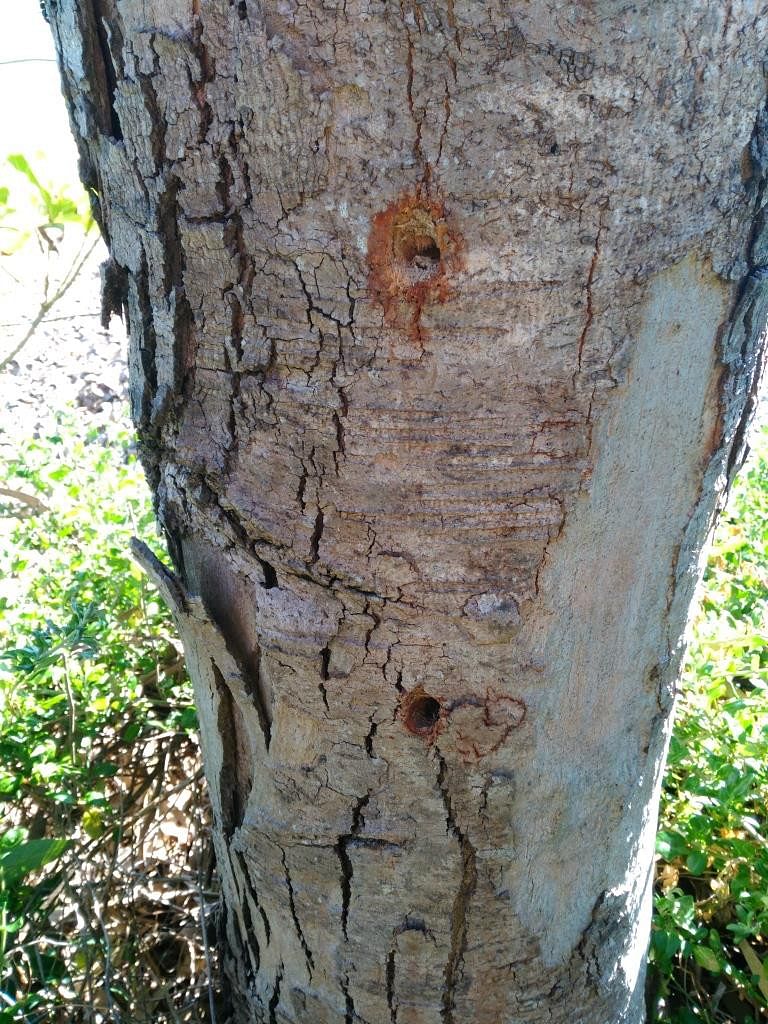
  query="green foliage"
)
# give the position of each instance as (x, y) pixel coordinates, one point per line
(90, 675)
(58, 207)
(61, 227)
(709, 947)
(39, 210)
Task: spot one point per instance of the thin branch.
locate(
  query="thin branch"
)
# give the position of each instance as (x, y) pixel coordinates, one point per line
(29, 60)
(30, 500)
(50, 319)
(47, 304)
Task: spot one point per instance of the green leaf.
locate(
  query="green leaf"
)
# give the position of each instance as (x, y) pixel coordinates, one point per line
(707, 959)
(29, 856)
(696, 863)
(670, 845)
(20, 163)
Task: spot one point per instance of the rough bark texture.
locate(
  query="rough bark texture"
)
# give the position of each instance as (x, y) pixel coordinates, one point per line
(445, 327)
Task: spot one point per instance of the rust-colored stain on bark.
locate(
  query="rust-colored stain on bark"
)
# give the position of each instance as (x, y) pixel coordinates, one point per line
(480, 724)
(414, 255)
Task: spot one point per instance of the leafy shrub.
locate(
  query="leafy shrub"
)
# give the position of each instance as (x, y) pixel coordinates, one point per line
(95, 716)
(709, 946)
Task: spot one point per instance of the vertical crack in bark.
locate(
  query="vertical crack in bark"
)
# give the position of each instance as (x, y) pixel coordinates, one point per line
(418, 151)
(250, 941)
(234, 786)
(376, 622)
(254, 896)
(346, 864)
(275, 997)
(349, 1003)
(590, 314)
(374, 725)
(147, 346)
(250, 676)
(207, 73)
(301, 489)
(317, 533)
(453, 23)
(391, 986)
(444, 132)
(270, 573)
(461, 903)
(104, 64)
(255, 690)
(292, 904)
(340, 443)
(325, 659)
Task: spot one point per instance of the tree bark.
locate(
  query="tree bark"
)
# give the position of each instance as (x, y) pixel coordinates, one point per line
(445, 324)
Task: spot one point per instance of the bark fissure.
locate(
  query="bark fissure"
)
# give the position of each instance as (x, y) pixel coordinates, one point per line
(589, 314)
(370, 736)
(416, 117)
(317, 534)
(269, 571)
(459, 926)
(295, 918)
(390, 976)
(254, 896)
(347, 871)
(274, 999)
(254, 689)
(234, 785)
(325, 660)
(250, 941)
(349, 1004)
(104, 62)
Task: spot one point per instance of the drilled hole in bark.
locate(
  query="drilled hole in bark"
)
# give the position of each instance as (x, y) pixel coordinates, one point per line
(415, 254)
(415, 244)
(421, 252)
(422, 714)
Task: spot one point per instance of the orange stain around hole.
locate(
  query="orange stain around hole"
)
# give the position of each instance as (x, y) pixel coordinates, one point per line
(414, 256)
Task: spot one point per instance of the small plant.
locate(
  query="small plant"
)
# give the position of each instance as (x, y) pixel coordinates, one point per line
(99, 773)
(709, 947)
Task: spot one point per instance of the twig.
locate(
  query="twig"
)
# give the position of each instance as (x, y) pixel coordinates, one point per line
(28, 60)
(47, 304)
(204, 933)
(26, 499)
(50, 319)
(72, 724)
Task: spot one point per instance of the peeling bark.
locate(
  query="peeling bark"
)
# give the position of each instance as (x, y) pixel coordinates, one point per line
(446, 328)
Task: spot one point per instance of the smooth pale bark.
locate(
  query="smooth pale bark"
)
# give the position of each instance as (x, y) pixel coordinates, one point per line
(445, 327)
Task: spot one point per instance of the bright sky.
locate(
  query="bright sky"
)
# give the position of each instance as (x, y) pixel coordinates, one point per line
(33, 119)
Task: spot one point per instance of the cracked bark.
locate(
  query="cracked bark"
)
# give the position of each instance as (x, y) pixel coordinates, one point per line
(446, 327)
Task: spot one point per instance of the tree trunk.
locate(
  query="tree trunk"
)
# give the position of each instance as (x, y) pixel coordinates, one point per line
(445, 326)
